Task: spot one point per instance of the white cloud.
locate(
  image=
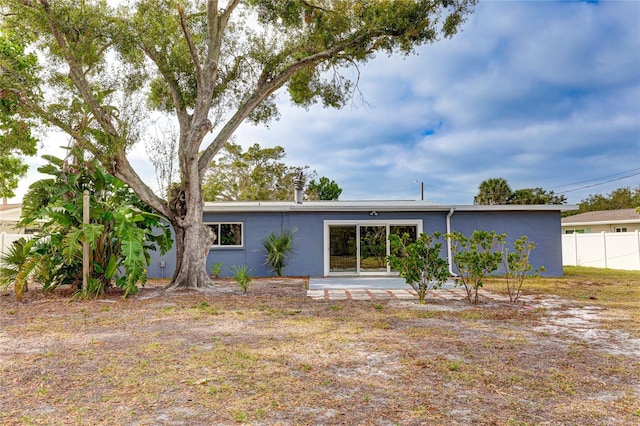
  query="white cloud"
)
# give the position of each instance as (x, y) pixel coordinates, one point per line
(540, 93)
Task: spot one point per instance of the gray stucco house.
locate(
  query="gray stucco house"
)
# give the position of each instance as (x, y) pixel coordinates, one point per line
(350, 237)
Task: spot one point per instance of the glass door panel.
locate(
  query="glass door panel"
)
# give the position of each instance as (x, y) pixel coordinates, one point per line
(373, 248)
(404, 229)
(343, 249)
(401, 230)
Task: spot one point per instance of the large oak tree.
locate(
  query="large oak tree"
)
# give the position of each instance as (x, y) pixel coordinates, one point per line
(211, 65)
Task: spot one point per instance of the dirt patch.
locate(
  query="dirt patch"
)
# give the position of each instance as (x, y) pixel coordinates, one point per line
(274, 356)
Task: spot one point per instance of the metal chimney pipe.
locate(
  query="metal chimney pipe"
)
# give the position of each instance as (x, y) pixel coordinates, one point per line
(298, 188)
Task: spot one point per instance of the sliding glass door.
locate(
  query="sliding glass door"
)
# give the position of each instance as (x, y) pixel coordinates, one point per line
(343, 249)
(361, 248)
(373, 249)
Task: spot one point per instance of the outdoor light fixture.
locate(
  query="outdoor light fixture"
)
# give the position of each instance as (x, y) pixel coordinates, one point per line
(373, 213)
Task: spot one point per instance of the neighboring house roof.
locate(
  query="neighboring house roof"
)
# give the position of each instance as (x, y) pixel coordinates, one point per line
(367, 205)
(603, 217)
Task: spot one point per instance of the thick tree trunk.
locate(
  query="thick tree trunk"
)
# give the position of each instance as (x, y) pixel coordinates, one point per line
(192, 241)
(192, 247)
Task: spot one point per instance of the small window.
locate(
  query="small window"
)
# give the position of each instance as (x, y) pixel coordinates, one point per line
(227, 234)
(575, 231)
(621, 229)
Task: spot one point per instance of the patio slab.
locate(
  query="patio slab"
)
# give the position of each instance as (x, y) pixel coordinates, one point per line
(363, 283)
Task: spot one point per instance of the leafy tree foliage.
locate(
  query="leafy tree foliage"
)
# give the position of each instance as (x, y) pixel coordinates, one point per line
(535, 196)
(419, 262)
(121, 231)
(498, 191)
(211, 67)
(621, 198)
(493, 191)
(17, 69)
(323, 189)
(517, 266)
(476, 257)
(258, 174)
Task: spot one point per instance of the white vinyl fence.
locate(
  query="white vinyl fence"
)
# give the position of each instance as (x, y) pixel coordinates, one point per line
(615, 250)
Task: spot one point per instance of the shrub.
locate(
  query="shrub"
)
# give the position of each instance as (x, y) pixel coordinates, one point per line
(516, 265)
(419, 262)
(215, 269)
(278, 247)
(475, 258)
(242, 275)
(120, 234)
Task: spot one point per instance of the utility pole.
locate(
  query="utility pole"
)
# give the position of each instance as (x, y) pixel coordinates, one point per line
(421, 189)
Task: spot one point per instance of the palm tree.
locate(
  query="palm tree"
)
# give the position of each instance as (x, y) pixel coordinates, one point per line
(493, 191)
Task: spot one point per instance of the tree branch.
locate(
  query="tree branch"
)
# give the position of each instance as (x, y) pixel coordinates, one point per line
(192, 48)
(174, 88)
(313, 6)
(76, 74)
(122, 170)
(121, 167)
(265, 88)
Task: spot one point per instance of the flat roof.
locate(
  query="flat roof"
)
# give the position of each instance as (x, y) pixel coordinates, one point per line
(368, 205)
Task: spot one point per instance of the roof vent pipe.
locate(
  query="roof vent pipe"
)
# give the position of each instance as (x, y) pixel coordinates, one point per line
(298, 188)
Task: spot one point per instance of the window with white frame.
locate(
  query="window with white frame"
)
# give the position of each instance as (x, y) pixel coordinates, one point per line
(227, 234)
(621, 229)
(575, 231)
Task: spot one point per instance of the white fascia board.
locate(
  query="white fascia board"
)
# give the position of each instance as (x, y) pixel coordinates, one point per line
(515, 207)
(378, 205)
(223, 207)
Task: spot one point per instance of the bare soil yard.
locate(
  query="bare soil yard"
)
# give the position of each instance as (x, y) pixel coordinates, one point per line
(276, 357)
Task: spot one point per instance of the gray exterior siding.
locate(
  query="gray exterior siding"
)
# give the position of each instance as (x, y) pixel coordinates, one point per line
(542, 227)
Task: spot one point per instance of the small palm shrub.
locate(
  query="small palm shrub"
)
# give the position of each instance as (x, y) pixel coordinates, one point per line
(242, 275)
(278, 247)
(17, 266)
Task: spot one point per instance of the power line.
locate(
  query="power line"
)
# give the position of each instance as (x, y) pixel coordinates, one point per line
(594, 179)
(600, 183)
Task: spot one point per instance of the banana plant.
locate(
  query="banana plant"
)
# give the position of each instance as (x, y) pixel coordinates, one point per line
(121, 231)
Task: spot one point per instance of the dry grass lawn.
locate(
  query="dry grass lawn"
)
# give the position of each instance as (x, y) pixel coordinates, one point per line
(571, 355)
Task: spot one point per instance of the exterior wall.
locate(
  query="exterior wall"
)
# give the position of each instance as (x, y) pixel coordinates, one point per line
(308, 241)
(631, 227)
(542, 227)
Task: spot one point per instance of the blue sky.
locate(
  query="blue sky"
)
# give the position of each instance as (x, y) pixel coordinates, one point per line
(541, 93)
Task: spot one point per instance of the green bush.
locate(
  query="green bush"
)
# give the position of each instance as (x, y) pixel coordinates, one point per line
(121, 231)
(419, 262)
(517, 266)
(475, 258)
(278, 247)
(242, 275)
(215, 269)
